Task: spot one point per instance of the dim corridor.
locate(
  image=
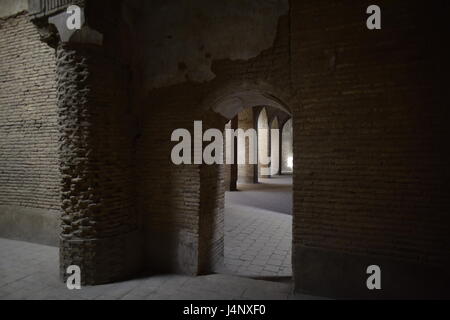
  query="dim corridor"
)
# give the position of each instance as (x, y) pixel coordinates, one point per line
(258, 229)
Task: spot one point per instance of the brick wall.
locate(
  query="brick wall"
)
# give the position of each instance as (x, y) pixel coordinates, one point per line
(168, 196)
(29, 175)
(174, 203)
(181, 207)
(370, 133)
(371, 169)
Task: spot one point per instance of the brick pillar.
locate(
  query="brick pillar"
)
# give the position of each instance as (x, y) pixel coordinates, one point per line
(274, 149)
(231, 170)
(247, 173)
(227, 167)
(280, 151)
(98, 218)
(263, 144)
(234, 167)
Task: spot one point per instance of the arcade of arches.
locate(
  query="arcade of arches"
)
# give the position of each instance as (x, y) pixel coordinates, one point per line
(258, 203)
(86, 119)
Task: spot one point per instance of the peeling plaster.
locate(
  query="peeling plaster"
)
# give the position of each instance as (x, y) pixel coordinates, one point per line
(179, 39)
(12, 7)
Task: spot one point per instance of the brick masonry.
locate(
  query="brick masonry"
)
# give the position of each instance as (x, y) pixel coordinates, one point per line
(370, 132)
(371, 170)
(231, 170)
(275, 148)
(246, 172)
(29, 162)
(99, 219)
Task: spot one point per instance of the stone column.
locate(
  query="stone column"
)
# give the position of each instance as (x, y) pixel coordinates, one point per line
(98, 218)
(274, 148)
(263, 144)
(248, 173)
(231, 170)
(234, 167)
(280, 151)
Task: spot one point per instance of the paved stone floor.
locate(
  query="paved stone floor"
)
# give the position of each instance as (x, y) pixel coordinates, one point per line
(30, 271)
(274, 194)
(258, 242)
(258, 235)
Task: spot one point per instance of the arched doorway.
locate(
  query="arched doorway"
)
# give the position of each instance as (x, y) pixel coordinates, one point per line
(257, 239)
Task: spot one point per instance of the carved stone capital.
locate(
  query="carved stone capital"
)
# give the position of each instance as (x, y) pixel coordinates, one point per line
(51, 16)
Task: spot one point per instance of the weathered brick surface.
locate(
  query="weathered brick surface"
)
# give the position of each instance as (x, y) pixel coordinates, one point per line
(211, 216)
(99, 216)
(178, 206)
(181, 207)
(371, 169)
(29, 175)
(246, 172)
(370, 131)
(66, 146)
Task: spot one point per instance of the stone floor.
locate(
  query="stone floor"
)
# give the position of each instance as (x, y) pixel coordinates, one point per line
(274, 194)
(258, 225)
(30, 272)
(257, 241)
